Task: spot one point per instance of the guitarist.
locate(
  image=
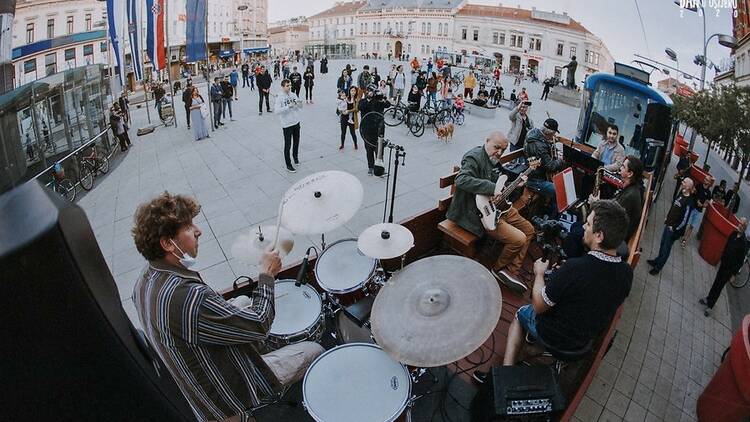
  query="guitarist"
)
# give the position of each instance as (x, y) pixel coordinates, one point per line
(540, 142)
(513, 231)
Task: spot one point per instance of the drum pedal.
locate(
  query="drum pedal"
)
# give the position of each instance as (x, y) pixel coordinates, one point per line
(360, 311)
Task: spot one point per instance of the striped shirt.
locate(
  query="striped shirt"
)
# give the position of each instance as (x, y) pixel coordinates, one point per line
(209, 346)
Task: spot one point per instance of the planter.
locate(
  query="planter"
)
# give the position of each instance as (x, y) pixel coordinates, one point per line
(698, 174)
(718, 224)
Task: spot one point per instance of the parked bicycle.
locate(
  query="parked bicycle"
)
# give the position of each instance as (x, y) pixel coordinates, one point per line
(90, 165)
(400, 113)
(61, 184)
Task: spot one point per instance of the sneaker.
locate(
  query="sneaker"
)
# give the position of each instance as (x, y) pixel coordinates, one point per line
(370, 172)
(703, 302)
(707, 312)
(269, 111)
(221, 124)
(530, 339)
(653, 271)
(479, 376)
(291, 169)
(296, 162)
(651, 262)
(341, 147)
(260, 113)
(356, 147)
(510, 282)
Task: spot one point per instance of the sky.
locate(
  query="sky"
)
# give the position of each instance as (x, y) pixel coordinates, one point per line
(616, 22)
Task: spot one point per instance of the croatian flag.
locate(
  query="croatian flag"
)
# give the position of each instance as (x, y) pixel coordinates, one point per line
(565, 189)
(134, 36)
(155, 10)
(116, 21)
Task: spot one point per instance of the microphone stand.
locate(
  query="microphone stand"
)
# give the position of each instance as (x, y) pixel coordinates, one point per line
(400, 153)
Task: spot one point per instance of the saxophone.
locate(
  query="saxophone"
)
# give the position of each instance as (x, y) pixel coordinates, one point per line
(594, 192)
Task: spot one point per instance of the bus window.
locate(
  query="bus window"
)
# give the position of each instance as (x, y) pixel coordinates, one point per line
(619, 105)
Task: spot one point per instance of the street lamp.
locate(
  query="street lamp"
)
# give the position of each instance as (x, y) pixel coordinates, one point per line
(241, 8)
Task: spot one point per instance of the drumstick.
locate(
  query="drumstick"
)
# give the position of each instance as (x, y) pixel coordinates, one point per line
(278, 224)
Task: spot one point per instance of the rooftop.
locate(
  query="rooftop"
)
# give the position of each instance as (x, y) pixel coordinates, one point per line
(412, 4)
(550, 19)
(285, 28)
(340, 9)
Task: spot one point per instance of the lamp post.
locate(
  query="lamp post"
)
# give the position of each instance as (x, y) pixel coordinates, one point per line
(241, 8)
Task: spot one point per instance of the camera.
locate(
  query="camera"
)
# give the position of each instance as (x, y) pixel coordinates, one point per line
(548, 232)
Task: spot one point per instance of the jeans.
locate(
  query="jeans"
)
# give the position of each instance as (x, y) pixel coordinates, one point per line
(527, 318)
(245, 80)
(291, 136)
(665, 247)
(308, 92)
(227, 103)
(187, 115)
(547, 188)
(217, 113)
(344, 125)
(262, 95)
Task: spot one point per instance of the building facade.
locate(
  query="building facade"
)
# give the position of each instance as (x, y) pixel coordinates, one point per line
(288, 38)
(741, 53)
(55, 35)
(332, 32)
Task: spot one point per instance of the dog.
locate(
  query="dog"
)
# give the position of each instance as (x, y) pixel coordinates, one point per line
(445, 132)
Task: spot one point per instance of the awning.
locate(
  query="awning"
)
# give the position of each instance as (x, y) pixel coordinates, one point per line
(256, 50)
(226, 53)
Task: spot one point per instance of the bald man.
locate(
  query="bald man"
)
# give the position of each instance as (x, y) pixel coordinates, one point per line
(674, 224)
(478, 175)
(731, 263)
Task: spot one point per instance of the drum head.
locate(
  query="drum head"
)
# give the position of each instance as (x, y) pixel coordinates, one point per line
(356, 379)
(342, 268)
(296, 308)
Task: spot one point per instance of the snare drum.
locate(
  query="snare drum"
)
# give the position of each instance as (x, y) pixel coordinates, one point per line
(299, 315)
(356, 382)
(345, 272)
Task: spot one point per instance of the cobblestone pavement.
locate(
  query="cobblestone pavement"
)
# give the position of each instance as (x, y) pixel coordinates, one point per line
(664, 353)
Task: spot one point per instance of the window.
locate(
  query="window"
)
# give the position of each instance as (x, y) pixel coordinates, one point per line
(572, 51)
(50, 28)
(429, 28)
(463, 33)
(502, 38)
(88, 49)
(337, 21)
(519, 41)
(535, 44)
(495, 37)
(408, 48)
(103, 47)
(70, 54)
(88, 21)
(351, 32)
(596, 59)
(50, 64)
(70, 25)
(440, 29)
(560, 49)
(29, 33)
(476, 35)
(29, 66)
(424, 27)
(512, 40)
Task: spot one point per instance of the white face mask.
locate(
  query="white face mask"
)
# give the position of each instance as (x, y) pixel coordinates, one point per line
(186, 260)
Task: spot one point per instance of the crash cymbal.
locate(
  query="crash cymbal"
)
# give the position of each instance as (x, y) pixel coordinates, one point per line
(436, 311)
(250, 246)
(385, 241)
(321, 202)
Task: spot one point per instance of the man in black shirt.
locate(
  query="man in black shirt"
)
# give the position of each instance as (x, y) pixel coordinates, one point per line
(264, 88)
(245, 74)
(674, 224)
(731, 262)
(371, 124)
(296, 79)
(732, 199)
(701, 197)
(582, 296)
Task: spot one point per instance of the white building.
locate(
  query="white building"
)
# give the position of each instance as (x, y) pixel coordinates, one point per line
(288, 39)
(333, 31)
(55, 35)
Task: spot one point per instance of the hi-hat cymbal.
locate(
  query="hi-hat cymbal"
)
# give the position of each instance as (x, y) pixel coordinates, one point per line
(436, 311)
(321, 202)
(251, 245)
(385, 241)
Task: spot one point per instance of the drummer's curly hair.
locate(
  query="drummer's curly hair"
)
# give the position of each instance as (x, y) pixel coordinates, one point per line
(162, 217)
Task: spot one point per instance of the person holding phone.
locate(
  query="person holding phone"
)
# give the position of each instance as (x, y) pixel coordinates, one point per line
(521, 124)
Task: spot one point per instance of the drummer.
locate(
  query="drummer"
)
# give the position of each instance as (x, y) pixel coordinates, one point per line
(209, 345)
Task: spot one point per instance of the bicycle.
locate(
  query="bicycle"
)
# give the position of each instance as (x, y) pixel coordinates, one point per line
(458, 116)
(400, 113)
(61, 184)
(90, 165)
(437, 114)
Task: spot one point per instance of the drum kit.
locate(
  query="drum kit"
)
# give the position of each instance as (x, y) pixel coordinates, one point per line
(432, 312)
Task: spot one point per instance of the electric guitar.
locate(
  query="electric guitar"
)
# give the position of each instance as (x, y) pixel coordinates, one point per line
(492, 208)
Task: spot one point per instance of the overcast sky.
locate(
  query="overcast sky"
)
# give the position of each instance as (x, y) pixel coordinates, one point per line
(615, 21)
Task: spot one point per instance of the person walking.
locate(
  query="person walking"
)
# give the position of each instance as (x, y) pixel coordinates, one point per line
(347, 108)
(296, 80)
(187, 100)
(399, 83)
(309, 78)
(217, 100)
(234, 81)
(227, 90)
(674, 224)
(198, 112)
(288, 106)
(731, 262)
(264, 82)
(245, 74)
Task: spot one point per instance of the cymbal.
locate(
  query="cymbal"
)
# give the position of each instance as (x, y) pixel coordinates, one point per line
(385, 241)
(321, 202)
(436, 311)
(251, 245)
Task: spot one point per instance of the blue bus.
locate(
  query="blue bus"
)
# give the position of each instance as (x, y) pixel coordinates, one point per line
(643, 115)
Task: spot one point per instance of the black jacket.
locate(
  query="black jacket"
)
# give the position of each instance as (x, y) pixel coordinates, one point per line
(187, 97)
(631, 198)
(537, 146)
(227, 90)
(373, 124)
(734, 252)
(264, 80)
(296, 79)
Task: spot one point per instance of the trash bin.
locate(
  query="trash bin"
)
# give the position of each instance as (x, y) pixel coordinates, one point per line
(727, 397)
(718, 224)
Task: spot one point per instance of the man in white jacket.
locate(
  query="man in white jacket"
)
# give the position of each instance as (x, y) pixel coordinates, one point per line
(288, 106)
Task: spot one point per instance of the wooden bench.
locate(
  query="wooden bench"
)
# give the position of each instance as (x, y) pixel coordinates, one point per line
(460, 240)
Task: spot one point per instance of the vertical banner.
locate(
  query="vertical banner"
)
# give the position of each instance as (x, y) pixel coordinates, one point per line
(155, 34)
(195, 40)
(134, 36)
(115, 20)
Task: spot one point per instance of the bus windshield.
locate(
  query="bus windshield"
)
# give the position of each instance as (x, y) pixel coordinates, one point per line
(621, 106)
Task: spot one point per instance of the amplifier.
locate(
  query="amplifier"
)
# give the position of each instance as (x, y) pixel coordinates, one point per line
(528, 393)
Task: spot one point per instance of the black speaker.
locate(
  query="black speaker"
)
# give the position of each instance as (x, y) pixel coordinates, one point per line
(68, 351)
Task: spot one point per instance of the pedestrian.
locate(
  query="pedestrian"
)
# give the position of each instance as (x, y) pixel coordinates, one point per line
(523, 96)
(383, 88)
(118, 127)
(399, 83)
(347, 108)
(288, 106)
(264, 82)
(324, 65)
(227, 91)
(429, 66)
(375, 76)
(296, 80)
(701, 198)
(470, 82)
(732, 198)
(234, 81)
(199, 113)
(125, 105)
(217, 101)
(545, 92)
(719, 191)
(674, 224)
(391, 76)
(158, 97)
(309, 78)
(187, 100)
(374, 125)
(432, 83)
(311, 62)
(421, 83)
(345, 81)
(245, 74)
(731, 262)
(365, 78)
(521, 125)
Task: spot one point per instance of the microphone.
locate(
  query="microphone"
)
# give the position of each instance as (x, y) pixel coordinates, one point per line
(302, 274)
(379, 167)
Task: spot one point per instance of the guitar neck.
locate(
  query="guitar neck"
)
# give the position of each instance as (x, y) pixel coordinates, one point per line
(510, 188)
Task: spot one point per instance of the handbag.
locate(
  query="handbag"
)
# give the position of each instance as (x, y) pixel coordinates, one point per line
(204, 110)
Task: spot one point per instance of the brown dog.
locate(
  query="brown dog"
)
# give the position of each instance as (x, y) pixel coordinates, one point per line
(445, 132)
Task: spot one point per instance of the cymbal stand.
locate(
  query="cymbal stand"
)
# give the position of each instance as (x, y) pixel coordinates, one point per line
(400, 153)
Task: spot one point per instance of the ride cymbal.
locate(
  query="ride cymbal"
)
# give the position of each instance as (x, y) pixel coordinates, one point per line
(385, 241)
(436, 311)
(251, 245)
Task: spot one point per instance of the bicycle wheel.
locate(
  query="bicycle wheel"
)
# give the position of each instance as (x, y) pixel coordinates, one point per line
(86, 176)
(442, 118)
(66, 189)
(459, 119)
(393, 116)
(103, 164)
(417, 124)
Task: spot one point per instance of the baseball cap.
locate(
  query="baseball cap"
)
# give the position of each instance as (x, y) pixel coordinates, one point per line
(551, 124)
(372, 87)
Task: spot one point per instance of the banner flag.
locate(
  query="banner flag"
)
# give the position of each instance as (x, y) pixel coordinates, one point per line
(115, 21)
(155, 33)
(134, 36)
(195, 40)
